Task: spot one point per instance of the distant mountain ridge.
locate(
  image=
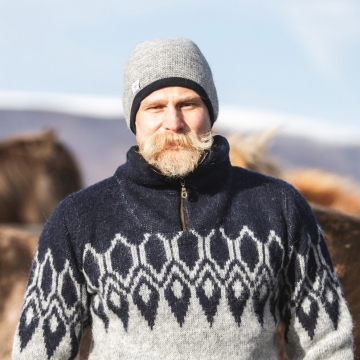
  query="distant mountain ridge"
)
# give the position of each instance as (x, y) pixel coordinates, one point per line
(100, 145)
(294, 152)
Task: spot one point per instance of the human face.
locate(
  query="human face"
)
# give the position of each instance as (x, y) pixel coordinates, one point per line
(172, 109)
(173, 130)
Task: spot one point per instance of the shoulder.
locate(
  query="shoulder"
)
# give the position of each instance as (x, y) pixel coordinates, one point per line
(272, 191)
(92, 195)
(247, 179)
(84, 204)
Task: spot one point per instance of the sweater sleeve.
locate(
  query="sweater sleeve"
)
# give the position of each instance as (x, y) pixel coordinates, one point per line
(317, 321)
(54, 311)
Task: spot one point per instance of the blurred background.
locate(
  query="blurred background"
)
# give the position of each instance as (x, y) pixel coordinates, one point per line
(291, 65)
(288, 79)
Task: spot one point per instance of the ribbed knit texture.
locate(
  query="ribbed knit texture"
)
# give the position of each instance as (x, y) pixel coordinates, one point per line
(166, 59)
(114, 257)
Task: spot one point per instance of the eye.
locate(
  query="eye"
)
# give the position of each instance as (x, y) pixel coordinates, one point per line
(188, 104)
(156, 107)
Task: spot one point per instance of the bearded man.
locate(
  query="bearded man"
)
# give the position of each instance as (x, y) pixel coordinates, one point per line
(179, 255)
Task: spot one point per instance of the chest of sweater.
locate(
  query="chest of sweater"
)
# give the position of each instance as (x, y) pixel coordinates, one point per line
(173, 283)
(139, 253)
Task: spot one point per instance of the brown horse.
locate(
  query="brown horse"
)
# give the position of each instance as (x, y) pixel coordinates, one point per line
(36, 172)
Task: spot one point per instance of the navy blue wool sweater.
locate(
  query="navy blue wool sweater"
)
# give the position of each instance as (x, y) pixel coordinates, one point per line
(205, 269)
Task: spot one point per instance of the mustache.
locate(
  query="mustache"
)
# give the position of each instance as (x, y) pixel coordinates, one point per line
(173, 141)
(175, 155)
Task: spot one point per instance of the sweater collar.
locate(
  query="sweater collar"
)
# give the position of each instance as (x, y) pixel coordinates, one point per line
(141, 172)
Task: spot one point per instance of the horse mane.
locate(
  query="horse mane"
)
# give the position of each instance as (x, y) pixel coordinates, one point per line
(249, 151)
(327, 189)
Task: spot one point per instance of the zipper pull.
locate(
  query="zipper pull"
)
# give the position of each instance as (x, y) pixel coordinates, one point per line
(182, 210)
(183, 189)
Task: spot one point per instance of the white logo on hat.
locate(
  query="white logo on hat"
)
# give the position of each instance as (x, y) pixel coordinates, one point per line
(136, 87)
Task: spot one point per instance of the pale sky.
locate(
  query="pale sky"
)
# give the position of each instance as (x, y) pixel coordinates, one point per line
(298, 57)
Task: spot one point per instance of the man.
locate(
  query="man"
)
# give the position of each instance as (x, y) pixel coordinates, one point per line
(179, 255)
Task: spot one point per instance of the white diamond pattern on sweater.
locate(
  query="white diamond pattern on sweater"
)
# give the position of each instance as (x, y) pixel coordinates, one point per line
(159, 261)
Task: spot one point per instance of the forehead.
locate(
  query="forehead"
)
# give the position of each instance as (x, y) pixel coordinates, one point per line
(171, 93)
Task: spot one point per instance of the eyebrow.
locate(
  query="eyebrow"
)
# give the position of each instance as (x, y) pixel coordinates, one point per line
(161, 101)
(190, 98)
(145, 102)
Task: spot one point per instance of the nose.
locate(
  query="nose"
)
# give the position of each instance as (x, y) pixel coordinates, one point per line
(174, 120)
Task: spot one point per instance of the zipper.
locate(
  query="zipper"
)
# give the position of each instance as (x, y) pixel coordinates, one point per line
(182, 197)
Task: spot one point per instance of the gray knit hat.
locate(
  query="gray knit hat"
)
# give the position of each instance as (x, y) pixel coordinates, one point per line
(166, 62)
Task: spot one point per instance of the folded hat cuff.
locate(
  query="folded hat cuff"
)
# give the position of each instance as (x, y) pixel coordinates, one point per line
(166, 82)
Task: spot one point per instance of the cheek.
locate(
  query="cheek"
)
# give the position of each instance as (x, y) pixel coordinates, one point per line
(145, 125)
(202, 123)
